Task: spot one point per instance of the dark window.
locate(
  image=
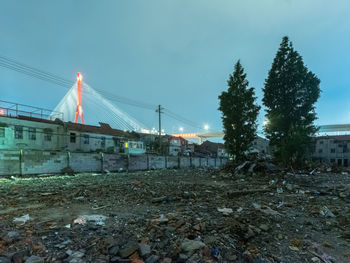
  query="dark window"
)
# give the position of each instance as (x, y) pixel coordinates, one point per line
(321, 142)
(339, 161)
(345, 150)
(72, 137)
(86, 138)
(103, 142)
(18, 132)
(332, 160)
(346, 164)
(320, 151)
(2, 132)
(32, 134)
(340, 145)
(332, 150)
(47, 136)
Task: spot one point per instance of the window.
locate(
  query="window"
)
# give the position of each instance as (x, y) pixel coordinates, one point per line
(319, 150)
(32, 134)
(332, 150)
(47, 134)
(47, 137)
(332, 160)
(340, 161)
(72, 137)
(18, 132)
(86, 138)
(346, 164)
(2, 132)
(321, 142)
(103, 142)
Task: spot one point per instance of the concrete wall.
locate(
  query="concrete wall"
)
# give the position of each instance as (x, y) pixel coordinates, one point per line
(115, 162)
(138, 162)
(172, 162)
(40, 162)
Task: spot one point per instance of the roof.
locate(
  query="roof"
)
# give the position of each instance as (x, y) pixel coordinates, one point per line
(27, 118)
(335, 137)
(210, 146)
(104, 128)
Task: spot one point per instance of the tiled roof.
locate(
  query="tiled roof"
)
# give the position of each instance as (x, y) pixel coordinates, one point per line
(27, 118)
(104, 128)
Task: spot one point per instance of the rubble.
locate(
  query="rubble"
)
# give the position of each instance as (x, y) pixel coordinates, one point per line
(194, 215)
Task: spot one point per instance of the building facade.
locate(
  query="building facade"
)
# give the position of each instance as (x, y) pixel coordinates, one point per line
(332, 150)
(29, 133)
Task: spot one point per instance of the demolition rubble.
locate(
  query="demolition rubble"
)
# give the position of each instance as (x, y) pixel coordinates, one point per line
(250, 213)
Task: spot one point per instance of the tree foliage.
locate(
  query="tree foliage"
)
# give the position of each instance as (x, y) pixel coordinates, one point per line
(290, 94)
(239, 113)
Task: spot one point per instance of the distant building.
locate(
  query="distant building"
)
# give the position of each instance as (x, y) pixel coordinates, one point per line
(212, 149)
(332, 150)
(174, 146)
(260, 145)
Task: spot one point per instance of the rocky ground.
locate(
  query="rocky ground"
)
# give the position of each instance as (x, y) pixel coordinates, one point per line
(176, 216)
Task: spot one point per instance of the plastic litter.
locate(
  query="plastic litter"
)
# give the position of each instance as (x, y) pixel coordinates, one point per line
(22, 219)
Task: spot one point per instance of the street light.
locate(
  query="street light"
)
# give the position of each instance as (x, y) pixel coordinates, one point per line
(206, 127)
(181, 129)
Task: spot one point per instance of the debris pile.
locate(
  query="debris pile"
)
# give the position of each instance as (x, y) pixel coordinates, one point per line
(267, 215)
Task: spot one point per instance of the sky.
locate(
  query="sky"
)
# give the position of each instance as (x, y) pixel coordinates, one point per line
(178, 54)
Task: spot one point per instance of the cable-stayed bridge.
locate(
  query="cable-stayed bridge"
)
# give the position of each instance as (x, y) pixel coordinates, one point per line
(94, 102)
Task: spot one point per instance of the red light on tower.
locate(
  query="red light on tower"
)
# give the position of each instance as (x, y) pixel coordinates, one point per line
(79, 110)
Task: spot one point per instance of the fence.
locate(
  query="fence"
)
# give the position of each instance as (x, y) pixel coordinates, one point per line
(26, 162)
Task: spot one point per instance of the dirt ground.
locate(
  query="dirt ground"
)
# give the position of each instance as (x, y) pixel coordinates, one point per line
(176, 216)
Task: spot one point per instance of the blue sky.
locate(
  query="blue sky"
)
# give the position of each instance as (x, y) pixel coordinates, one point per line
(175, 53)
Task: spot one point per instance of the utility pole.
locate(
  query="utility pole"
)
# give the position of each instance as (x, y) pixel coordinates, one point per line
(159, 110)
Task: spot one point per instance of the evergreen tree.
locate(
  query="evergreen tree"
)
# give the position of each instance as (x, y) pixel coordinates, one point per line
(290, 94)
(239, 113)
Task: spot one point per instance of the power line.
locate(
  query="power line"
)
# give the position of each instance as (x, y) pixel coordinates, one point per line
(182, 119)
(50, 77)
(57, 80)
(35, 70)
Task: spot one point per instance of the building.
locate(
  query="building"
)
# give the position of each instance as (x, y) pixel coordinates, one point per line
(174, 146)
(212, 149)
(332, 150)
(23, 132)
(20, 130)
(260, 145)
